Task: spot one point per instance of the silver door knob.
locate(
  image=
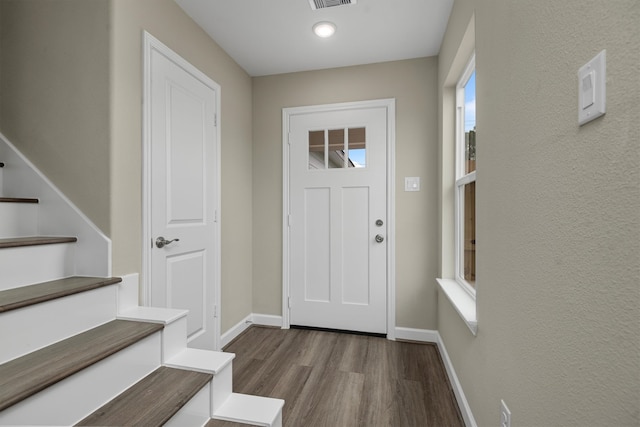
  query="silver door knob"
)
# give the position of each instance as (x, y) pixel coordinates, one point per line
(161, 242)
(379, 238)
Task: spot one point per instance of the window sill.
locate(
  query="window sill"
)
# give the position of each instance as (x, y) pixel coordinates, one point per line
(464, 303)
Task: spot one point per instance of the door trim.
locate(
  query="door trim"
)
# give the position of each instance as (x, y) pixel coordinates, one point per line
(150, 43)
(390, 105)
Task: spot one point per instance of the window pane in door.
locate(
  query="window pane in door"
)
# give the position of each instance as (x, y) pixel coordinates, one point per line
(316, 149)
(357, 148)
(336, 148)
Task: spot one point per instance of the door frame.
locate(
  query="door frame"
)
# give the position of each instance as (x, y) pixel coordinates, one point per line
(150, 43)
(390, 105)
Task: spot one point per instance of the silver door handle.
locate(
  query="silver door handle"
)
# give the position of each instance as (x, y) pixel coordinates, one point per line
(161, 242)
(379, 238)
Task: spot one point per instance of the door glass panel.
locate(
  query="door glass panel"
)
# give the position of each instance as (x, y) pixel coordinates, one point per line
(316, 149)
(336, 148)
(330, 149)
(357, 148)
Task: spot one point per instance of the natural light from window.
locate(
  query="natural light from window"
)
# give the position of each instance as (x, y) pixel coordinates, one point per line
(466, 179)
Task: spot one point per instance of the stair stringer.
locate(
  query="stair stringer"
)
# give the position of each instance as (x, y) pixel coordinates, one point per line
(57, 214)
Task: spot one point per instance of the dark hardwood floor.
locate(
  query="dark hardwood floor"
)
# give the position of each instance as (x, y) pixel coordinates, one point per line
(336, 379)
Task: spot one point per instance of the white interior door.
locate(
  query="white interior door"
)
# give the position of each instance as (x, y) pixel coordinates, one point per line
(183, 199)
(338, 219)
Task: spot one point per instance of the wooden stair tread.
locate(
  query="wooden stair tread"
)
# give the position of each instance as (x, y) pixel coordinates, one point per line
(152, 401)
(29, 374)
(15, 242)
(12, 299)
(18, 200)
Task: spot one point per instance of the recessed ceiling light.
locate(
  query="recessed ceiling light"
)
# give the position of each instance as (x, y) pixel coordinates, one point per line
(324, 29)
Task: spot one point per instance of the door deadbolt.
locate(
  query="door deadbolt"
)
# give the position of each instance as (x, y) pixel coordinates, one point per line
(379, 223)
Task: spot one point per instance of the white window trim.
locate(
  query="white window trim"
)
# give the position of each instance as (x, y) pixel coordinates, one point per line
(462, 178)
(459, 292)
(462, 301)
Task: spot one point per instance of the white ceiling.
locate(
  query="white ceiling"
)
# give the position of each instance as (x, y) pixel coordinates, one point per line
(274, 36)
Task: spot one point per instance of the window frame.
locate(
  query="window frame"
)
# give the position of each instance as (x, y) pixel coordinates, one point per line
(462, 178)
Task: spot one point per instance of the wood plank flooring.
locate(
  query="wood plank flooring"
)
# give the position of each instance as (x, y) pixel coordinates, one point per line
(336, 379)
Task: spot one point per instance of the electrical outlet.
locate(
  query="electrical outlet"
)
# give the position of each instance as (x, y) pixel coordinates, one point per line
(505, 415)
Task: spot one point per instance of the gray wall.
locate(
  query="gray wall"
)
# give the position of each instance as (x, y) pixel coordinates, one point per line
(54, 86)
(558, 223)
(413, 83)
(71, 100)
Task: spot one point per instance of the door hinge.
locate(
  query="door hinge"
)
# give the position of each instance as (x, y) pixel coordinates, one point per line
(289, 302)
(289, 220)
(289, 138)
(215, 215)
(215, 120)
(215, 311)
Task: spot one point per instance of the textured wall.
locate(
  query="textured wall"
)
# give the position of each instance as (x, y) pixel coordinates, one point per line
(413, 83)
(167, 22)
(54, 82)
(558, 216)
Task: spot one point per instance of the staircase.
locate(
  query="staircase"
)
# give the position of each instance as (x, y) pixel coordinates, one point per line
(79, 350)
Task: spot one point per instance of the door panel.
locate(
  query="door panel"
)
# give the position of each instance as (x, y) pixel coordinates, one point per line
(185, 275)
(355, 247)
(337, 190)
(183, 193)
(317, 245)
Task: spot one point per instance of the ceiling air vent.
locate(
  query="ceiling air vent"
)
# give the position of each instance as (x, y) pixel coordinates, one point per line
(322, 4)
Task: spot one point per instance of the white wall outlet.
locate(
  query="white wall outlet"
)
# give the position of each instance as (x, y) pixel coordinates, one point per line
(505, 415)
(592, 87)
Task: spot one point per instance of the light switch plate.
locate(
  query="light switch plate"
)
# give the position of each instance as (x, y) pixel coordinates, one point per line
(592, 88)
(411, 183)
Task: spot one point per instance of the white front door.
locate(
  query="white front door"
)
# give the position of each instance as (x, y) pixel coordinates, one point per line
(338, 219)
(183, 194)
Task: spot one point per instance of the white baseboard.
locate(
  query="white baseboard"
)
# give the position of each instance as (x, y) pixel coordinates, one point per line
(423, 335)
(267, 320)
(235, 330)
(252, 319)
(465, 409)
(430, 336)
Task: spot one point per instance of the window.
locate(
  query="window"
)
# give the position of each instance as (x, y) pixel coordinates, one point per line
(465, 186)
(337, 148)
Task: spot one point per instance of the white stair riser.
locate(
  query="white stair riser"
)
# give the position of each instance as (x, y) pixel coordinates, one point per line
(128, 291)
(222, 388)
(34, 264)
(18, 219)
(174, 338)
(72, 399)
(31, 328)
(195, 413)
(253, 410)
